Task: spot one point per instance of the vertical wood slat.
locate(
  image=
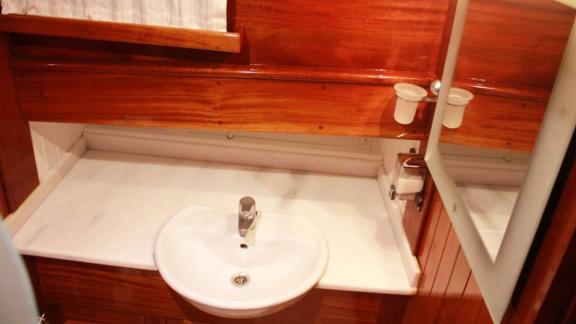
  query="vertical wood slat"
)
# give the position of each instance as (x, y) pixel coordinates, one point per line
(417, 311)
(444, 274)
(447, 292)
(469, 303)
(429, 230)
(455, 290)
(431, 268)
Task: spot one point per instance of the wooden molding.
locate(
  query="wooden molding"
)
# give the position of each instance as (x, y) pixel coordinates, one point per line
(121, 32)
(234, 71)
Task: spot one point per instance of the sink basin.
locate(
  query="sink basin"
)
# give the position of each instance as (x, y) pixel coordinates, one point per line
(201, 256)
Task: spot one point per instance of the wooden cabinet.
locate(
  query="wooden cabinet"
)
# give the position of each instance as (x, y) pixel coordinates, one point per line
(73, 291)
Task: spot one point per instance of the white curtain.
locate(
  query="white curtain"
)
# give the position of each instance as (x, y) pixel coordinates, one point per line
(194, 14)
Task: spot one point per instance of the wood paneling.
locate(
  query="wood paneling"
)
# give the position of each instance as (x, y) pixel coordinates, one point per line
(395, 35)
(515, 43)
(181, 101)
(447, 291)
(17, 166)
(498, 122)
(121, 32)
(339, 44)
(400, 35)
(470, 302)
(509, 57)
(87, 292)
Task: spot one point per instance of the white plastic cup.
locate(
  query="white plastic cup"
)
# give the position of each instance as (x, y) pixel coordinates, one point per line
(458, 100)
(408, 96)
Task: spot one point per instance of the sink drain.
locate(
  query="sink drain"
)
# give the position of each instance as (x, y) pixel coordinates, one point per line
(240, 279)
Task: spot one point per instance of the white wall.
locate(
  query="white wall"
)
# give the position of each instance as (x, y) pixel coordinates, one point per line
(358, 156)
(51, 141)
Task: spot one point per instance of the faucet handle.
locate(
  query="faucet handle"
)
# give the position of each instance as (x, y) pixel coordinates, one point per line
(247, 206)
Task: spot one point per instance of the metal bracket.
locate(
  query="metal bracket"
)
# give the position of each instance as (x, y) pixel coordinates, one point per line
(419, 201)
(392, 192)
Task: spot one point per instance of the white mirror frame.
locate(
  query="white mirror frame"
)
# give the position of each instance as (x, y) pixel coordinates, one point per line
(497, 279)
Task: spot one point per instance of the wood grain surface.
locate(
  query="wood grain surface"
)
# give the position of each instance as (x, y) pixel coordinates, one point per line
(447, 291)
(498, 122)
(188, 101)
(87, 292)
(121, 32)
(516, 43)
(18, 174)
(349, 44)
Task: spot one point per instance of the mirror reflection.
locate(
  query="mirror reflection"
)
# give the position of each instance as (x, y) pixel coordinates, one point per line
(505, 72)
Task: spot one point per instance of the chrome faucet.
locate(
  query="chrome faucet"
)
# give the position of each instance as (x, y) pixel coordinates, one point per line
(246, 215)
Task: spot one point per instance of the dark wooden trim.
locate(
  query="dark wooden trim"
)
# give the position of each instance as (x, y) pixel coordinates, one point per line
(121, 32)
(17, 164)
(537, 95)
(550, 284)
(234, 71)
(76, 291)
(3, 199)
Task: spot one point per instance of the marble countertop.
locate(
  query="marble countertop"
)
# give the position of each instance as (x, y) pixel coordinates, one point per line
(109, 208)
(490, 208)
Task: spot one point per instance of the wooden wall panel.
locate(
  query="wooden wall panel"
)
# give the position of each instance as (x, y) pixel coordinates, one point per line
(401, 35)
(516, 43)
(87, 292)
(347, 44)
(498, 122)
(454, 292)
(447, 291)
(185, 101)
(18, 174)
(470, 302)
(509, 57)
(393, 35)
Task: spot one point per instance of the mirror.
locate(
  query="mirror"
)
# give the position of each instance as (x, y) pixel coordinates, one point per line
(503, 120)
(505, 70)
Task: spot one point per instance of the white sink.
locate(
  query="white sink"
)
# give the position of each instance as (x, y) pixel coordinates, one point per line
(198, 253)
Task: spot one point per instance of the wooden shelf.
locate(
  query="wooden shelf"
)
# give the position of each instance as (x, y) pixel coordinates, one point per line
(121, 32)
